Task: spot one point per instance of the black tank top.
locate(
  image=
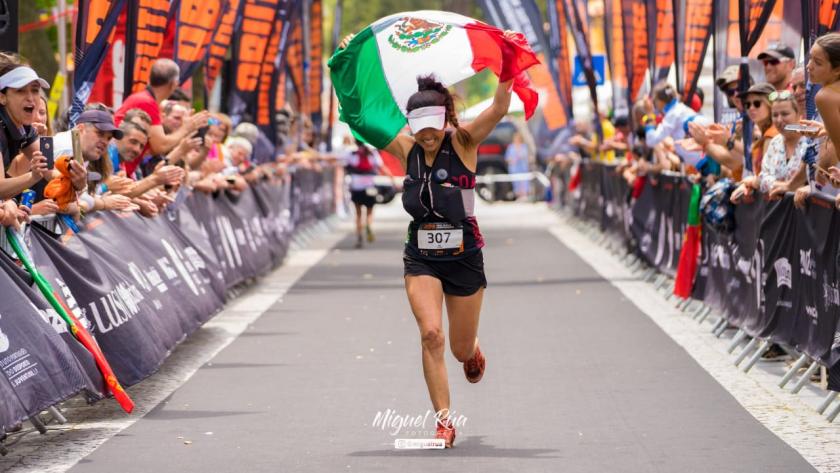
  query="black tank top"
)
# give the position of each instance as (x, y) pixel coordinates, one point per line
(441, 199)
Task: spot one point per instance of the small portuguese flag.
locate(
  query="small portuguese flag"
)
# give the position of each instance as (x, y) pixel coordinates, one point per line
(687, 268)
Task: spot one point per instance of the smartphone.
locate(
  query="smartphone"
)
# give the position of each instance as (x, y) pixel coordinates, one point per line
(201, 133)
(47, 150)
(797, 127)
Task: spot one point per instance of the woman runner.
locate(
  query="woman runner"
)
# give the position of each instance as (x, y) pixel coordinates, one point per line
(443, 259)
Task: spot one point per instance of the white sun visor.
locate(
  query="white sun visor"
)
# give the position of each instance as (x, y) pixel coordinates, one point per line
(20, 77)
(427, 117)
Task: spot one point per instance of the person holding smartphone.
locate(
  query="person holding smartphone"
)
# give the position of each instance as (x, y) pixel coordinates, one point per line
(20, 89)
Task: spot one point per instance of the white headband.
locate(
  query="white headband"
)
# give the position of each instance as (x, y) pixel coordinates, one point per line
(20, 77)
(427, 117)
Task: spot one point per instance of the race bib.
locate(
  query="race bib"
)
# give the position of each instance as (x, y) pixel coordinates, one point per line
(439, 236)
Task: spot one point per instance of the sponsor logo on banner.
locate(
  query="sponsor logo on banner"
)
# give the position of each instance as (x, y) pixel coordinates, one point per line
(831, 293)
(811, 311)
(783, 273)
(19, 366)
(836, 343)
(720, 257)
(807, 265)
(117, 307)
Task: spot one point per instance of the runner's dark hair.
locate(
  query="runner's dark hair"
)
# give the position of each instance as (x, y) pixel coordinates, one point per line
(432, 93)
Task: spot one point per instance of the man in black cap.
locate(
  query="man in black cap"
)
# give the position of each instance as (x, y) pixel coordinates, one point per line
(779, 62)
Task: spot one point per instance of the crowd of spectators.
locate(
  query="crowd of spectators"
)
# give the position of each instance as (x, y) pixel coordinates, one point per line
(789, 150)
(134, 158)
(663, 133)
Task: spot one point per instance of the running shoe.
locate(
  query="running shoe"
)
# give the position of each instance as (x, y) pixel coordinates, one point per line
(359, 242)
(446, 431)
(370, 237)
(474, 367)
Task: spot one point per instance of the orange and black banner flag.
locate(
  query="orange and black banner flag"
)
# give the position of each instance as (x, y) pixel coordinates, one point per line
(145, 33)
(196, 22)
(558, 43)
(273, 61)
(251, 44)
(699, 19)
(828, 14)
(294, 65)
(661, 38)
(316, 66)
(577, 18)
(222, 38)
(96, 22)
(636, 51)
(614, 41)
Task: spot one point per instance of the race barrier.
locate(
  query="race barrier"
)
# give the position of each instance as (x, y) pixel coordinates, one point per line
(775, 277)
(139, 285)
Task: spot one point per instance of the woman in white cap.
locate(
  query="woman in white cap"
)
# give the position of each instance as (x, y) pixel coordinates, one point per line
(20, 89)
(443, 260)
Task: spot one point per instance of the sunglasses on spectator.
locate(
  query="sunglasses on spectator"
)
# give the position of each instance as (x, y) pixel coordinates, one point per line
(730, 92)
(780, 95)
(753, 104)
(772, 62)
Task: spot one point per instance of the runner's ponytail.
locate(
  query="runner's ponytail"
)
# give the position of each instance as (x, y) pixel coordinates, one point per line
(430, 93)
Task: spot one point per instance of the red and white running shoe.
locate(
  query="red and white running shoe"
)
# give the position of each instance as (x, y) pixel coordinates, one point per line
(445, 431)
(474, 367)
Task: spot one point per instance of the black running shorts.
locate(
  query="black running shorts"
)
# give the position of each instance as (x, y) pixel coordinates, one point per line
(362, 198)
(462, 277)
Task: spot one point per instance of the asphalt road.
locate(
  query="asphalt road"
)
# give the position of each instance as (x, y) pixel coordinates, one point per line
(577, 380)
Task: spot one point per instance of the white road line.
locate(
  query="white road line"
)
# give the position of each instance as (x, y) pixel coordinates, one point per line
(90, 427)
(792, 418)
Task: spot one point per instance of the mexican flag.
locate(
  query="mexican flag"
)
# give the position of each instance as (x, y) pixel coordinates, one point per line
(377, 72)
(687, 268)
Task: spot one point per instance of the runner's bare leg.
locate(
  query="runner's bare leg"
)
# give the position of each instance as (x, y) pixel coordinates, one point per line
(463, 313)
(425, 294)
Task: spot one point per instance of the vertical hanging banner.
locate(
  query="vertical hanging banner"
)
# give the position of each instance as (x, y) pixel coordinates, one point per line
(559, 51)
(753, 16)
(222, 37)
(251, 41)
(196, 22)
(96, 22)
(294, 63)
(828, 14)
(614, 41)
(661, 38)
(316, 66)
(145, 33)
(266, 105)
(636, 47)
(574, 12)
(698, 19)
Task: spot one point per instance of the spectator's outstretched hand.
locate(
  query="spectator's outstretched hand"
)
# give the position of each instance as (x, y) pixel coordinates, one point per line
(800, 197)
(118, 202)
(778, 190)
(78, 175)
(169, 175)
(45, 207)
(120, 184)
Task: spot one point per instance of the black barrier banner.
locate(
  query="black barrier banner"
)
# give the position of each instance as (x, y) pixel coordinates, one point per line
(659, 218)
(616, 211)
(730, 268)
(776, 275)
(140, 286)
(37, 367)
